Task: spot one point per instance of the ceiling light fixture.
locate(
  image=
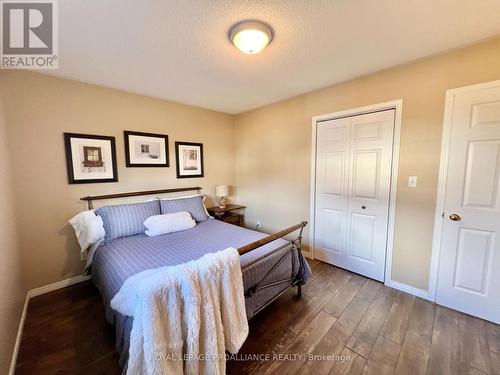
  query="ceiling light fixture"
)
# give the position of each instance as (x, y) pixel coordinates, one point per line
(250, 37)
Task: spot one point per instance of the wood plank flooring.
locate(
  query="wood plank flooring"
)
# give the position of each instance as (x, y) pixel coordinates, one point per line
(343, 324)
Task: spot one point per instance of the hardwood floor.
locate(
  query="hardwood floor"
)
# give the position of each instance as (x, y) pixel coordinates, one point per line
(343, 324)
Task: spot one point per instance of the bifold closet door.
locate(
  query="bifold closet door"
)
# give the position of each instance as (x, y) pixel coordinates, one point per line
(353, 177)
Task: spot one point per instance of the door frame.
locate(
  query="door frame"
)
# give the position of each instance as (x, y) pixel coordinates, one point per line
(397, 105)
(443, 175)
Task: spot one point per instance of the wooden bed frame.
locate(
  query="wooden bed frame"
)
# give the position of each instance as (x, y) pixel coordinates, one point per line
(242, 250)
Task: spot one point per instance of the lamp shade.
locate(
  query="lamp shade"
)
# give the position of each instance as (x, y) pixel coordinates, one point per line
(222, 191)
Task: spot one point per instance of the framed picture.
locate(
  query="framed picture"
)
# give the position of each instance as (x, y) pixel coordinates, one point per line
(189, 158)
(90, 158)
(146, 149)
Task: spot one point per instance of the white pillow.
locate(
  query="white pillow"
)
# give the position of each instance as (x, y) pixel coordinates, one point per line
(168, 223)
(89, 228)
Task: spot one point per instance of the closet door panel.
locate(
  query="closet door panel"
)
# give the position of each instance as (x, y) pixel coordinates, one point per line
(368, 194)
(331, 188)
(366, 173)
(353, 176)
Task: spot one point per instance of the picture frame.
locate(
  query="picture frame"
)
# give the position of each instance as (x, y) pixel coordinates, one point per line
(146, 149)
(90, 158)
(189, 159)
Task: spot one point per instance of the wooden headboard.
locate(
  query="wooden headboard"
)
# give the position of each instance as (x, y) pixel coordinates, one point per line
(90, 199)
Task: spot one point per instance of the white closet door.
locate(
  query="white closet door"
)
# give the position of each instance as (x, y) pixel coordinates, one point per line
(332, 173)
(469, 277)
(354, 157)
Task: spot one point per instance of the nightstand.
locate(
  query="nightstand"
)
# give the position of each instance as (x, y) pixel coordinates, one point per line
(229, 214)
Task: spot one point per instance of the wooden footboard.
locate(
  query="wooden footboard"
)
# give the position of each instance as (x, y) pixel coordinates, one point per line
(272, 237)
(295, 280)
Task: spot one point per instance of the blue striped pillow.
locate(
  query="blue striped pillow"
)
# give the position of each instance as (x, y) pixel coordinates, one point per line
(126, 219)
(194, 205)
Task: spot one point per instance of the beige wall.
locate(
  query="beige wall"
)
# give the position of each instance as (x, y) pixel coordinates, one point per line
(273, 147)
(40, 108)
(271, 144)
(11, 280)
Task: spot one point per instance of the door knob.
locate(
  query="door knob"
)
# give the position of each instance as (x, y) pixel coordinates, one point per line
(455, 217)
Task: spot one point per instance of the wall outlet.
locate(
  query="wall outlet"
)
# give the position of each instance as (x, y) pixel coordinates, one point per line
(258, 225)
(412, 181)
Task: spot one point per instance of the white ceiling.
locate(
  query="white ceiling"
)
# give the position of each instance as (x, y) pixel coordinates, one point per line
(178, 49)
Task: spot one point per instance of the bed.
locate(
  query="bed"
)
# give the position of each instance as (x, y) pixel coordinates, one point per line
(270, 264)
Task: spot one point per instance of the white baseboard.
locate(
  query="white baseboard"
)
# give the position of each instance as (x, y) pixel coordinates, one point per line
(34, 293)
(58, 285)
(307, 254)
(13, 361)
(409, 289)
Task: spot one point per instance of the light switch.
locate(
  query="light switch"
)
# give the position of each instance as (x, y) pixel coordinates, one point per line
(412, 181)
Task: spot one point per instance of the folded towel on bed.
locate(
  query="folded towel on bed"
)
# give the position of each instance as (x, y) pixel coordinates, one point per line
(185, 316)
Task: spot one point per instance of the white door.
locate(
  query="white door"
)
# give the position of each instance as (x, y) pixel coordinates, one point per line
(469, 267)
(353, 177)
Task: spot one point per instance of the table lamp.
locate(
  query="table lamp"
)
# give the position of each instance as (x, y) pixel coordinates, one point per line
(222, 191)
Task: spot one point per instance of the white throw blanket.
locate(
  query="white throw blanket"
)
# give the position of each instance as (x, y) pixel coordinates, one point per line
(185, 316)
